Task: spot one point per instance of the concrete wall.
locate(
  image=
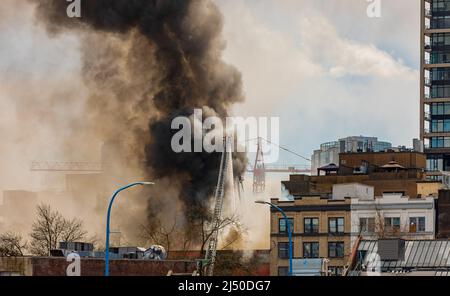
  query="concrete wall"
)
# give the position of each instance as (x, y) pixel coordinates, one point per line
(425, 189)
(354, 190)
(16, 265)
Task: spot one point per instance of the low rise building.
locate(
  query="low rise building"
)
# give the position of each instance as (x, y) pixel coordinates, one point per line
(389, 215)
(320, 229)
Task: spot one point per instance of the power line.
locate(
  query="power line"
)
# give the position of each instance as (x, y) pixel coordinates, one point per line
(287, 150)
(283, 148)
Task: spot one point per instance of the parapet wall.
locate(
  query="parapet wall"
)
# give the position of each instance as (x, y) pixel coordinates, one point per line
(57, 266)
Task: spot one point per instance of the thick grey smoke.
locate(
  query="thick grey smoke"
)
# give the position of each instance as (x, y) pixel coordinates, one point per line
(150, 61)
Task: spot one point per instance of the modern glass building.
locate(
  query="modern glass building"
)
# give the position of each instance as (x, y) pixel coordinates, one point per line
(329, 152)
(435, 84)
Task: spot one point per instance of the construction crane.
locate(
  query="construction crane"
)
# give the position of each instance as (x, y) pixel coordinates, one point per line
(219, 195)
(260, 168)
(259, 171)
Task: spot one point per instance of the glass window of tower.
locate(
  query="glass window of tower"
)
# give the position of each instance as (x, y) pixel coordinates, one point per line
(440, 109)
(440, 5)
(440, 39)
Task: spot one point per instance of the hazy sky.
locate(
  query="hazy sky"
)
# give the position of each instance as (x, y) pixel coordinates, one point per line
(324, 67)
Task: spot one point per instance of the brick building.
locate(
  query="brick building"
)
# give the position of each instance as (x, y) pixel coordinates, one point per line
(57, 266)
(321, 229)
(387, 172)
(443, 214)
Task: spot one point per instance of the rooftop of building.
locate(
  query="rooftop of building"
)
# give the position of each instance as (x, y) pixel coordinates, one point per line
(414, 255)
(356, 193)
(400, 150)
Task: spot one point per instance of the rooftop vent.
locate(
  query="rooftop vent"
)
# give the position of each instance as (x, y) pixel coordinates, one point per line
(391, 249)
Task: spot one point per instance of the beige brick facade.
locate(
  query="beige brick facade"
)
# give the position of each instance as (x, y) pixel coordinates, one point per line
(310, 207)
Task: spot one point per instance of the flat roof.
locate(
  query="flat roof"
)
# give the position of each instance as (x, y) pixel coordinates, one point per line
(419, 254)
(383, 152)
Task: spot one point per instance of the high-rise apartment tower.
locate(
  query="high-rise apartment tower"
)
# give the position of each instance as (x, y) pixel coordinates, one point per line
(435, 84)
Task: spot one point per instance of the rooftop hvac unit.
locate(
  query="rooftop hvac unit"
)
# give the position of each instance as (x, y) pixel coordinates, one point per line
(391, 249)
(76, 246)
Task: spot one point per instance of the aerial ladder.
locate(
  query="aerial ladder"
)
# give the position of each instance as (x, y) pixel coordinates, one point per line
(353, 257)
(219, 195)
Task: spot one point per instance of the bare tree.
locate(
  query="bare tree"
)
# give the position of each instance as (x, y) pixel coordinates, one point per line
(194, 234)
(99, 243)
(380, 229)
(12, 245)
(234, 238)
(207, 230)
(157, 233)
(50, 228)
(383, 231)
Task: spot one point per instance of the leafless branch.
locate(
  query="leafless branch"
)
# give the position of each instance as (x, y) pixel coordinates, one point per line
(12, 245)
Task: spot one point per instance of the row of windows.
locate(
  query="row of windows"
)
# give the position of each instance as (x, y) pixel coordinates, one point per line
(366, 225)
(438, 162)
(439, 57)
(440, 109)
(435, 164)
(440, 22)
(440, 91)
(440, 74)
(440, 39)
(440, 5)
(440, 142)
(311, 250)
(311, 225)
(336, 225)
(440, 126)
(416, 224)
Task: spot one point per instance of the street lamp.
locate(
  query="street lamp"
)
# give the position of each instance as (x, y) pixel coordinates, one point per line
(289, 230)
(108, 220)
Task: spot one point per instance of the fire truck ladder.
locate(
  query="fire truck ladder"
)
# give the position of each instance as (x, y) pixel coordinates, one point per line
(210, 256)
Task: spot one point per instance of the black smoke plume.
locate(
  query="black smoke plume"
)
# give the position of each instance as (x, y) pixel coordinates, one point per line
(176, 55)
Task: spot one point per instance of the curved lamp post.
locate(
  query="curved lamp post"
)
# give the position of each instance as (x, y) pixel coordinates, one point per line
(109, 216)
(289, 230)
